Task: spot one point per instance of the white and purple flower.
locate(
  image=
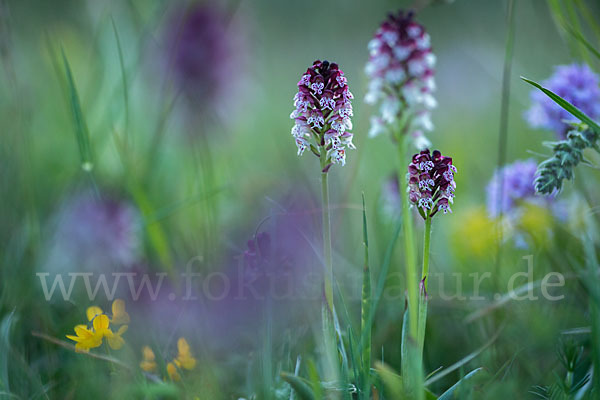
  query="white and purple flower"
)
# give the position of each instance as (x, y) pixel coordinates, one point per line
(323, 113)
(401, 68)
(431, 182)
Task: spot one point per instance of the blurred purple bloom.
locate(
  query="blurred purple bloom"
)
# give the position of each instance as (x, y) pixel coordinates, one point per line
(95, 235)
(577, 84)
(400, 69)
(278, 271)
(204, 48)
(518, 187)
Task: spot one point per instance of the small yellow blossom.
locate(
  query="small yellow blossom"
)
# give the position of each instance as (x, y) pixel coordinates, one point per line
(148, 362)
(85, 338)
(119, 315)
(101, 324)
(476, 234)
(184, 356)
(92, 311)
(172, 371)
(184, 360)
(115, 341)
(537, 222)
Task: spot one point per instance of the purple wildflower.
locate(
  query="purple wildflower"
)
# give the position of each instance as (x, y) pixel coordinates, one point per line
(518, 187)
(95, 235)
(431, 182)
(204, 55)
(323, 112)
(577, 84)
(400, 69)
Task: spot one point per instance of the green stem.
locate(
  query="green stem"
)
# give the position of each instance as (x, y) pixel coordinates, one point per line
(412, 368)
(422, 317)
(409, 244)
(426, 243)
(328, 279)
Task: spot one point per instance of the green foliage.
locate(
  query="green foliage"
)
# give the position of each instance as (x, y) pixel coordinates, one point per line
(567, 155)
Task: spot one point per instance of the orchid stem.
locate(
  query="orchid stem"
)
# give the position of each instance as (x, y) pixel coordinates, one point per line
(412, 362)
(327, 259)
(409, 243)
(426, 244)
(422, 317)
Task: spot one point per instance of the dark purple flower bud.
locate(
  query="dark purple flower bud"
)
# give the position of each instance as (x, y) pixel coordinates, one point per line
(323, 111)
(431, 182)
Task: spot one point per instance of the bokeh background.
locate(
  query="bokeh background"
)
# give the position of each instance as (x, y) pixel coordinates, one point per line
(190, 155)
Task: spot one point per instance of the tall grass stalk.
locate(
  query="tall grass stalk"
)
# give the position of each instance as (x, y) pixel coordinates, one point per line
(366, 310)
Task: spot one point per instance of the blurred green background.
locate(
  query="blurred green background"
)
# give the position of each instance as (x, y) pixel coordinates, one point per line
(203, 174)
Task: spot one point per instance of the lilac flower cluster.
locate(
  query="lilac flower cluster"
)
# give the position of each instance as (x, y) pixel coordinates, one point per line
(512, 186)
(577, 84)
(323, 112)
(431, 182)
(95, 234)
(205, 56)
(400, 69)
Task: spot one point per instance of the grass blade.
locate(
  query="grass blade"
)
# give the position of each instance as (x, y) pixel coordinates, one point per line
(462, 361)
(579, 37)
(366, 309)
(385, 266)
(124, 78)
(391, 380)
(5, 328)
(302, 389)
(81, 130)
(449, 394)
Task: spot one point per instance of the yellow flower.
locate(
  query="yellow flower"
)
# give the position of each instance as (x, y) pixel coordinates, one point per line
(100, 324)
(92, 311)
(184, 356)
(148, 363)
(91, 338)
(119, 315)
(86, 339)
(115, 341)
(172, 371)
(537, 222)
(476, 234)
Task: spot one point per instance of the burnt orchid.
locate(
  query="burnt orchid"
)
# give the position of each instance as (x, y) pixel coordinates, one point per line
(431, 183)
(323, 114)
(323, 123)
(400, 69)
(431, 189)
(575, 83)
